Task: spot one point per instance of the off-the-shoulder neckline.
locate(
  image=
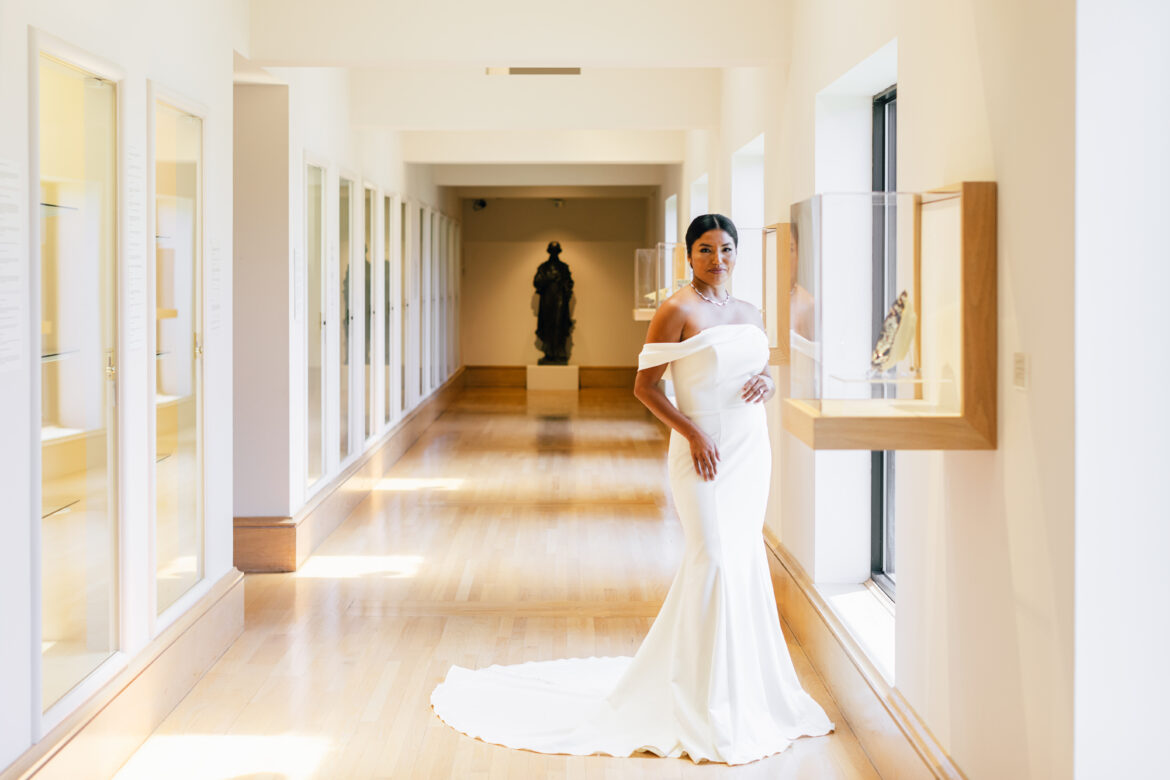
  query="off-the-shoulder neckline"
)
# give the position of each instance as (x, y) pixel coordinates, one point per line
(704, 330)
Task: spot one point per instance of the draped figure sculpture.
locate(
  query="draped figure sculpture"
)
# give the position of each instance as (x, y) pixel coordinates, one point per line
(554, 285)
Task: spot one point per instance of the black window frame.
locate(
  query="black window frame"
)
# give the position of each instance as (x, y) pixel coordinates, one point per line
(882, 463)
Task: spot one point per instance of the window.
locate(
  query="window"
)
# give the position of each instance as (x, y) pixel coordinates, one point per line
(885, 115)
(699, 197)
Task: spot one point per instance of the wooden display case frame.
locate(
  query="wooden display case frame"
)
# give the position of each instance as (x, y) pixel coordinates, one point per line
(974, 426)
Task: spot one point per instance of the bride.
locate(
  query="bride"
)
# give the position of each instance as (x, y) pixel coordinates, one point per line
(712, 679)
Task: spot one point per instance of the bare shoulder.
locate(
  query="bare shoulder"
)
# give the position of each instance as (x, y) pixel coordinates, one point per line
(749, 312)
(668, 322)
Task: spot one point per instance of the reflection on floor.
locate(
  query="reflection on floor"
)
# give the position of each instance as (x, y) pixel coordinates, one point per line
(517, 528)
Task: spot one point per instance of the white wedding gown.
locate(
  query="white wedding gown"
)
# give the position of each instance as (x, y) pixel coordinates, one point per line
(713, 678)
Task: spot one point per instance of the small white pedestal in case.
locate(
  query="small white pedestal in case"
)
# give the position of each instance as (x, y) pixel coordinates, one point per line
(552, 378)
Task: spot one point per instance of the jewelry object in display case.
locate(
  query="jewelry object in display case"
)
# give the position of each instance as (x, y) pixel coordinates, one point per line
(896, 334)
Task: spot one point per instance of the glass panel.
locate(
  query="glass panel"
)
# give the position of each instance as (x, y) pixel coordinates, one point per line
(178, 454)
(404, 292)
(436, 301)
(78, 260)
(315, 321)
(914, 364)
(369, 311)
(419, 294)
(390, 310)
(346, 316)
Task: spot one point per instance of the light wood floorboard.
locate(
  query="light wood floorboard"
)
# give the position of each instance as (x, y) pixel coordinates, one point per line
(517, 528)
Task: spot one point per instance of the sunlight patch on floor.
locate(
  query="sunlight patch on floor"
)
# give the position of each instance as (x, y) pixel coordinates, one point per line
(175, 756)
(351, 566)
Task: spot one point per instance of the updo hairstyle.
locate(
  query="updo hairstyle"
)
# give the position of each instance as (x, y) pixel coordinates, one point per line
(701, 224)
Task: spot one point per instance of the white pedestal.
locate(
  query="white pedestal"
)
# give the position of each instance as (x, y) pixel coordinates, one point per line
(552, 378)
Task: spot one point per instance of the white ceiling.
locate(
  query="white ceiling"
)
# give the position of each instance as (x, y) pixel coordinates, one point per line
(517, 33)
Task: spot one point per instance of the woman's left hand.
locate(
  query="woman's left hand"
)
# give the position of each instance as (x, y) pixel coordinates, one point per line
(758, 389)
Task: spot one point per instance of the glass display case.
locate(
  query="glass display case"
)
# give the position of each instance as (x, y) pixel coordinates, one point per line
(315, 271)
(658, 273)
(178, 468)
(892, 319)
(77, 260)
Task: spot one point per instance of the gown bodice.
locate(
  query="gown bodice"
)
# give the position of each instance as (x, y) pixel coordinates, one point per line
(710, 368)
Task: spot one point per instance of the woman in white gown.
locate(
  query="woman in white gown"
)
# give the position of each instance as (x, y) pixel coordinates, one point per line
(712, 679)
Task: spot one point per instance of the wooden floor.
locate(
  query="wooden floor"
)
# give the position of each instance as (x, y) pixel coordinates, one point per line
(518, 528)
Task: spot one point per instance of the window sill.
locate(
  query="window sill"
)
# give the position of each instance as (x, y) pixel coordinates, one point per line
(868, 616)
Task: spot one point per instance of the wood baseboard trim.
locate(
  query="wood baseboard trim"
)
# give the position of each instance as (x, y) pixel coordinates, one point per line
(496, 376)
(608, 376)
(516, 376)
(97, 738)
(894, 737)
(281, 544)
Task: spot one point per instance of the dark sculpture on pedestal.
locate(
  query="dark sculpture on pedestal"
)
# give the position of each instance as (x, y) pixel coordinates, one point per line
(554, 285)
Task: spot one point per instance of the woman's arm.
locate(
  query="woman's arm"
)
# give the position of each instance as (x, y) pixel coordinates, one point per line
(760, 387)
(667, 326)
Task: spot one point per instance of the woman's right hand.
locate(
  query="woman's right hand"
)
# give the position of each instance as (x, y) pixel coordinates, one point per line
(704, 454)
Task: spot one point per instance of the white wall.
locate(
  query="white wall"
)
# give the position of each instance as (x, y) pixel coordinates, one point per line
(503, 245)
(186, 48)
(1122, 428)
(985, 540)
(597, 98)
(531, 175)
(261, 252)
(546, 147)
(514, 33)
(320, 129)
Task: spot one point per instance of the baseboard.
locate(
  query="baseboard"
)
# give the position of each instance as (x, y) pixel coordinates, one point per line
(894, 737)
(608, 376)
(276, 544)
(97, 738)
(495, 376)
(515, 376)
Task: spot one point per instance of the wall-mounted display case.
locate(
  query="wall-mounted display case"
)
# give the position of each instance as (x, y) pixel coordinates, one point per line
(77, 263)
(658, 273)
(892, 320)
(178, 350)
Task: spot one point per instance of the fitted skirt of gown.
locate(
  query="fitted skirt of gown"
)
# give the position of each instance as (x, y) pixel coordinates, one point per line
(713, 678)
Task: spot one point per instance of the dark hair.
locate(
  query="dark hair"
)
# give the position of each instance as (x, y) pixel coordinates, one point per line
(701, 224)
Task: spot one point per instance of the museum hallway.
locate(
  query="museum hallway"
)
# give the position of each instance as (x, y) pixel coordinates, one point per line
(521, 526)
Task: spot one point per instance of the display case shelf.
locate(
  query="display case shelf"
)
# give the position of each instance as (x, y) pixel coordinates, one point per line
(854, 254)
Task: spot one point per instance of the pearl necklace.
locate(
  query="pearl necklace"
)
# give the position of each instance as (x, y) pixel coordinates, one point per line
(710, 300)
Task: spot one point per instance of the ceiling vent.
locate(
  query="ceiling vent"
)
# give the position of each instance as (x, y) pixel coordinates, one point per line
(534, 71)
